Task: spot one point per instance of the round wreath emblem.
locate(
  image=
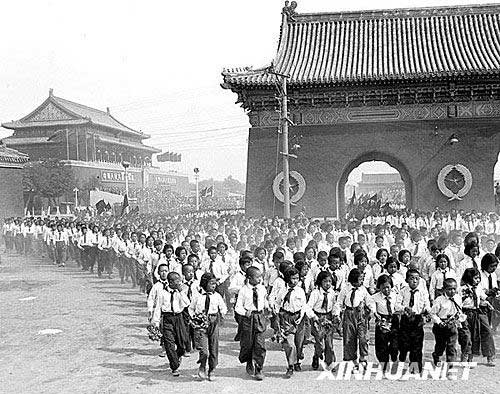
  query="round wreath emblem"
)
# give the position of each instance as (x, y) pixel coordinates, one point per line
(454, 181)
(297, 186)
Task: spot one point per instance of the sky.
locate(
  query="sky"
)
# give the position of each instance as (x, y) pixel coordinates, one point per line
(156, 64)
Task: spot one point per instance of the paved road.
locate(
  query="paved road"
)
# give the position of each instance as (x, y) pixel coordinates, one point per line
(103, 346)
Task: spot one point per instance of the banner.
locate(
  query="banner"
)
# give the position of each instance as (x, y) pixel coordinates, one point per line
(109, 198)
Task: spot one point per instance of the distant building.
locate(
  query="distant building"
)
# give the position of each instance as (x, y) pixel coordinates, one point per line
(11, 185)
(378, 183)
(92, 142)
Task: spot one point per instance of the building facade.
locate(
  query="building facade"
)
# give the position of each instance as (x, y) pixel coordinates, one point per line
(377, 183)
(11, 181)
(93, 143)
(416, 88)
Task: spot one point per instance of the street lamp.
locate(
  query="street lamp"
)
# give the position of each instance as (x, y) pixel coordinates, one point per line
(454, 139)
(196, 177)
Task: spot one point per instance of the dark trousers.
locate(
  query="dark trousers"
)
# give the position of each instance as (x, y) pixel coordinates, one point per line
(190, 338)
(323, 339)
(174, 338)
(411, 338)
(105, 262)
(9, 241)
(19, 243)
(386, 342)
(293, 334)
(130, 270)
(85, 257)
(479, 339)
(354, 330)
(252, 341)
(121, 262)
(237, 318)
(207, 343)
(60, 252)
(446, 339)
(28, 243)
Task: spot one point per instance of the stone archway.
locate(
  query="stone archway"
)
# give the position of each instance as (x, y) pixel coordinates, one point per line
(373, 156)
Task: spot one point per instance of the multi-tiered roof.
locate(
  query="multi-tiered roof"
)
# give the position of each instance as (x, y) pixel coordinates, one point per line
(384, 45)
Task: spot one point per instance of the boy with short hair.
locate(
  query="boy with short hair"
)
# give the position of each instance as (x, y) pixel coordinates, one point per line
(447, 315)
(169, 308)
(415, 306)
(250, 305)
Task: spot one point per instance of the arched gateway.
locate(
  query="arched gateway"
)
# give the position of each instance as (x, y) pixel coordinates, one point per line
(416, 88)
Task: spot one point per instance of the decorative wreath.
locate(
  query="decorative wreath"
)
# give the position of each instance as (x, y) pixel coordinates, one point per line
(297, 186)
(454, 181)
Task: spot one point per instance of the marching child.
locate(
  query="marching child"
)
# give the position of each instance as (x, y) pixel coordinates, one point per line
(289, 305)
(337, 270)
(194, 260)
(278, 285)
(191, 287)
(386, 335)
(356, 303)
(361, 261)
(237, 282)
(379, 263)
(321, 264)
(392, 270)
(250, 305)
(447, 315)
(211, 306)
(475, 306)
(272, 273)
(443, 271)
(320, 309)
(168, 309)
(154, 296)
(414, 304)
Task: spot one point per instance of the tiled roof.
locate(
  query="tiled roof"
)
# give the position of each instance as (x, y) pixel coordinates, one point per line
(26, 140)
(74, 113)
(419, 43)
(97, 116)
(128, 143)
(8, 155)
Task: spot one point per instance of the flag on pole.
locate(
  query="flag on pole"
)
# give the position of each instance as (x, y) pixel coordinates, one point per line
(353, 198)
(210, 191)
(125, 205)
(100, 206)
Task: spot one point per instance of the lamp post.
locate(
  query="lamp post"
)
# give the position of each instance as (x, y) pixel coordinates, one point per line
(126, 165)
(196, 177)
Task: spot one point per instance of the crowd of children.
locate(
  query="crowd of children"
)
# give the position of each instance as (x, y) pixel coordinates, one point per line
(306, 278)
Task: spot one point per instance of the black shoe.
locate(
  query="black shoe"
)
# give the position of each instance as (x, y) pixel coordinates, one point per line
(297, 367)
(315, 363)
(250, 369)
(289, 372)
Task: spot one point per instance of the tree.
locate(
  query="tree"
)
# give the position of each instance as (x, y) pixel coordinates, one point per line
(48, 178)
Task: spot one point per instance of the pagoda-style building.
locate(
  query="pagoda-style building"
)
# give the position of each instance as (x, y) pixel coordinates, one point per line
(66, 130)
(11, 182)
(416, 88)
(93, 142)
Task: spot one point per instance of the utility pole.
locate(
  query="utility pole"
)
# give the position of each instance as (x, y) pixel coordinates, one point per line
(284, 134)
(284, 121)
